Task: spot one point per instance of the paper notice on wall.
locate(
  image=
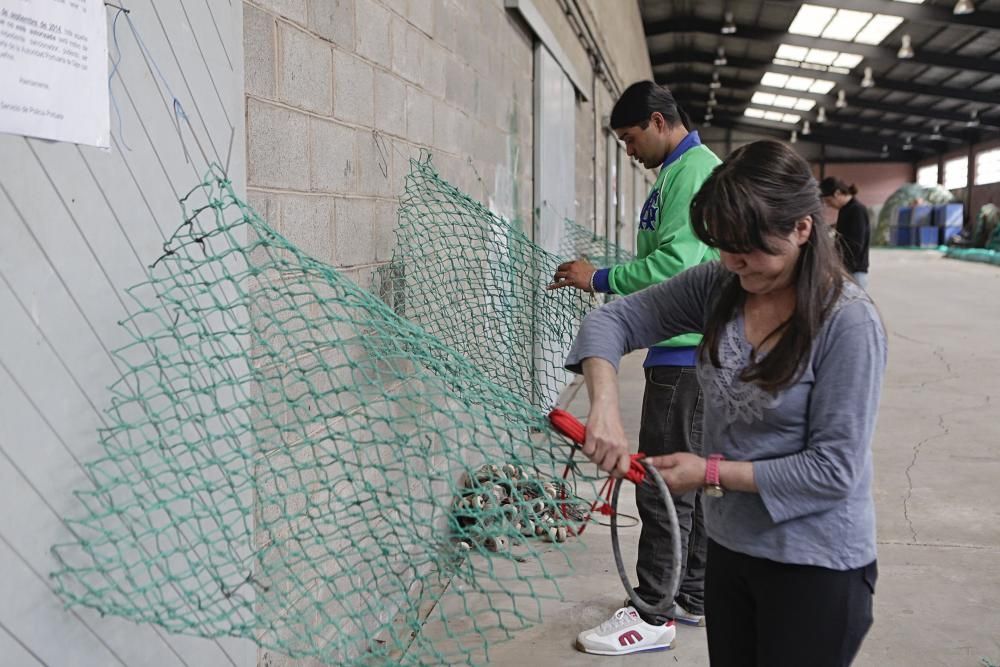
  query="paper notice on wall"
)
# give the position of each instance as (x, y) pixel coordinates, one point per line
(54, 70)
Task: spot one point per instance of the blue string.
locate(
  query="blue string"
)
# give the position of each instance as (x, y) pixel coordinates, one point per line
(178, 108)
(114, 70)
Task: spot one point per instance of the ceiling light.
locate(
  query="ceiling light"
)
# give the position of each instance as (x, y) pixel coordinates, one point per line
(709, 115)
(885, 150)
(841, 99)
(811, 19)
(908, 146)
(792, 118)
(762, 98)
(846, 25)
(964, 7)
(821, 115)
(848, 60)
(715, 85)
(753, 113)
(805, 128)
(794, 138)
(720, 58)
(868, 81)
(804, 105)
(973, 119)
(906, 50)
(936, 136)
(878, 29)
(729, 27)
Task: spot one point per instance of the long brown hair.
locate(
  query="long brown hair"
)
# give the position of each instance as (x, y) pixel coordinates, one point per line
(757, 194)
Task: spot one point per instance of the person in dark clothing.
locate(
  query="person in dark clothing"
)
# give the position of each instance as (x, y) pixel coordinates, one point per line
(853, 226)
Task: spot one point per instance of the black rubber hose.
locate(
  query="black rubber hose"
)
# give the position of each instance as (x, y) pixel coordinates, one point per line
(667, 603)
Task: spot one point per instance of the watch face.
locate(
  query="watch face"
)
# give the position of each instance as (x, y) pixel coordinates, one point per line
(714, 491)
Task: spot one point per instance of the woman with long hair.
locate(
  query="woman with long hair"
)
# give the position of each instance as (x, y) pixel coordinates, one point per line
(791, 365)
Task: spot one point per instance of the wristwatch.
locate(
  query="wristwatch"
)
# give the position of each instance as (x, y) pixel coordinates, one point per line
(713, 487)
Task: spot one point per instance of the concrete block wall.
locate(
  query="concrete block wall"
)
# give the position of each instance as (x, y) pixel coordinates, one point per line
(342, 93)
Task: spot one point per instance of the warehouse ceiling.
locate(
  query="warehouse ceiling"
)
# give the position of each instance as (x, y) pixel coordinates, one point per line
(772, 66)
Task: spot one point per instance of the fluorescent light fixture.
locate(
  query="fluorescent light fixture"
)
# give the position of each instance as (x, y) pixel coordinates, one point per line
(846, 24)
(753, 113)
(973, 119)
(821, 56)
(906, 49)
(789, 52)
(821, 86)
(964, 7)
(794, 138)
(936, 136)
(848, 60)
(773, 115)
(811, 20)
(784, 101)
(720, 57)
(805, 128)
(774, 79)
(868, 81)
(792, 118)
(885, 150)
(729, 27)
(804, 105)
(841, 99)
(799, 83)
(878, 29)
(766, 99)
(715, 85)
(821, 115)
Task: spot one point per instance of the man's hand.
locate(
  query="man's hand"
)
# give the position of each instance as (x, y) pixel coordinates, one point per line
(682, 472)
(573, 274)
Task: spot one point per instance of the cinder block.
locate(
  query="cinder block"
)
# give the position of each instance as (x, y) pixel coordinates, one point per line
(374, 165)
(307, 221)
(306, 71)
(446, 127)
(419, 116)
(333, 20)
(265, 205)
(385, 221)
(333, 167)
(294, 10)
(432, 58)
(354, 90)
(406, 51)
(390, 103)
(373, 32)
(353, 223)
(277, 147)
(401, 7)
(422, 16)
(462, 86)
(445, 21)
(258, 52)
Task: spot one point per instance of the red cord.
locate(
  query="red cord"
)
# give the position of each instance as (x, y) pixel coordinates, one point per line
(573, 429)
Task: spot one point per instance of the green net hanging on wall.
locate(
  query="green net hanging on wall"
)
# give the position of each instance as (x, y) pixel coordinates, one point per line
(472, 280)
(292, 462)
(578, 241)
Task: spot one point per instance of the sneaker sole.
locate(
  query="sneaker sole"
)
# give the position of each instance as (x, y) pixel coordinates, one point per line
(643, 649)
(700, 623)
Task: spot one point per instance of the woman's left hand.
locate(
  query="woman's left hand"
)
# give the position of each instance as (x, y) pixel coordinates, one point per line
(682, 472)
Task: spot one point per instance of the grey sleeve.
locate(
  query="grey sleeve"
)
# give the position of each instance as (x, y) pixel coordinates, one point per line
(843, 407)
(673, 307)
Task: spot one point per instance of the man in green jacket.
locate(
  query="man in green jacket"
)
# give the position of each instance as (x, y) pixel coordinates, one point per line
(656, 132)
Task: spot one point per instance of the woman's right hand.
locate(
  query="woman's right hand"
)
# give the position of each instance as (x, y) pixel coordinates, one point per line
(606, 444)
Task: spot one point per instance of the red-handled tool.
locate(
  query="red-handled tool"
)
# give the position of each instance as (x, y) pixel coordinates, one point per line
(569, 426)
(573, 429)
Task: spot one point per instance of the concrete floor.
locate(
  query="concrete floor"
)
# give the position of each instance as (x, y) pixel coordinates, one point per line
(937, 486)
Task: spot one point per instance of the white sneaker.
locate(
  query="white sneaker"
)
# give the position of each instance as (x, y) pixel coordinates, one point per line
(626, 632)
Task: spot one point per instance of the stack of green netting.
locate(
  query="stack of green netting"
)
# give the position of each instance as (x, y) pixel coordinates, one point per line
(292, 462)
(476, 283)
(578, 241)
(985, 238)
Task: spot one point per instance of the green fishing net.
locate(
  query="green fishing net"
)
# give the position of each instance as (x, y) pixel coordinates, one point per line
(578, 241)
(473, 281)
(293, 461)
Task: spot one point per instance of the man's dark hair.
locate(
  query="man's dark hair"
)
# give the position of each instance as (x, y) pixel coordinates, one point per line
(640, 100)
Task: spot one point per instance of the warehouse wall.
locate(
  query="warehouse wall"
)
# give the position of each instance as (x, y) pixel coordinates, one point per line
(80, 226)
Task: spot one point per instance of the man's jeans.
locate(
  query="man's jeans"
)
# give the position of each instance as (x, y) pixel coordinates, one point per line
(671, 422)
